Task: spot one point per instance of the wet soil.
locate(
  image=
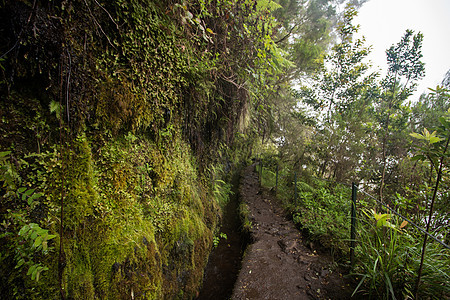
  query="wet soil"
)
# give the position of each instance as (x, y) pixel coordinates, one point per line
(279, 264)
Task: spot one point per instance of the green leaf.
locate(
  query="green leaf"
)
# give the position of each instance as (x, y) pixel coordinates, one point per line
(38, 241)
(391, 289)
(383, 220)
(34, 226)
(31, 269)
(24, 230)
(42, 231)
(359, 285)
(21, 190)
(417, 136)
(35, 196)
(20, 263)
(5, 234)
(418, 157)
(54, 107)
(29, 192)
(50, 236)
(33, 274)
(38, 273)
(432, 138)
(4, 153)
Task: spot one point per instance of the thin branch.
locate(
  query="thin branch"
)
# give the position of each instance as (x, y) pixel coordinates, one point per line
(68, 86)
(117, 26)
(98, 24)
(288, 34)
(230, 80)
(292, 29)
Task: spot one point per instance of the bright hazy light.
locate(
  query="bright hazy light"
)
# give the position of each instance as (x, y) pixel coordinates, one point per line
(384, 22)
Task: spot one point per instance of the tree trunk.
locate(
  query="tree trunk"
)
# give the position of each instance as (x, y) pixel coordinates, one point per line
(383, 174)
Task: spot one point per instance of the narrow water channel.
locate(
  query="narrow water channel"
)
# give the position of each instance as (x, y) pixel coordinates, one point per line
(225, 260)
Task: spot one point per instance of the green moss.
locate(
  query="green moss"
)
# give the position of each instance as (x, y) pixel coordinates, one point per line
(80, 183)
(144, 233)
(137, 219)
(139, 209)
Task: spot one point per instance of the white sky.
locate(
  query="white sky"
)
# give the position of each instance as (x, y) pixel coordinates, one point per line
(384, 22)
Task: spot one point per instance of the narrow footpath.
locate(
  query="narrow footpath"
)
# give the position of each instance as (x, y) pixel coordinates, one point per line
(278, 264)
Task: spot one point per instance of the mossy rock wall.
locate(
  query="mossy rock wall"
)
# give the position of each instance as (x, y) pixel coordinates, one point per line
(147, 229)
(110, 112)
(137, 221)
(151, 223)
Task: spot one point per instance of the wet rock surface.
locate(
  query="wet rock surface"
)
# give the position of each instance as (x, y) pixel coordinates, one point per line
(279, 264)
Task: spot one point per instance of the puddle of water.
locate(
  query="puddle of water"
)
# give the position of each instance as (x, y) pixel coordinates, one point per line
(225, 260)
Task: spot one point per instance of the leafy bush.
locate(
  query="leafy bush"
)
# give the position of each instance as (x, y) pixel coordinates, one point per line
(388, 259)
(381, 255)
(320, 211)
(317, 208)
(24, 244)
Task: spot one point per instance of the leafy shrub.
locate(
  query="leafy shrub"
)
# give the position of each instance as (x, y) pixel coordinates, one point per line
(320, 211)
(317, 208)
(24, 244)
(388, 258)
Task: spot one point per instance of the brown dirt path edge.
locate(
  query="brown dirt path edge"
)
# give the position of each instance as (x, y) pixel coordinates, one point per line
(278, 265)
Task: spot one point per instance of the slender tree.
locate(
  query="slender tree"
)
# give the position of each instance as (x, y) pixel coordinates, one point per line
(404, 69)
(341, 94)
(435, 150)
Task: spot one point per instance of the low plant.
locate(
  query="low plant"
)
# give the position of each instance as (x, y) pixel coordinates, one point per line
(381, 255)
(26, 240)
(33, 242)
(388, 257)
(320, 212)
(222, 192)
(244, 214)
(217, 238)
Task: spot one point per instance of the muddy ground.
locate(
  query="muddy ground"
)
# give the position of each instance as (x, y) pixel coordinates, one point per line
(279, 264)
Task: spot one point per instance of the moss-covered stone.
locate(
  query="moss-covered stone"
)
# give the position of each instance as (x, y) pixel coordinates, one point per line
(111, 111)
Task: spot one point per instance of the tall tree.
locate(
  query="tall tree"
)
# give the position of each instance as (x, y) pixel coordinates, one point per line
(344, 78)
(304, 32)
(405, 68)
(341, 93)
(427, 111)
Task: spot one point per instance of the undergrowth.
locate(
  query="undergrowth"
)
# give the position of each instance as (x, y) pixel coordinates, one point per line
(388, 249)
(320, 208)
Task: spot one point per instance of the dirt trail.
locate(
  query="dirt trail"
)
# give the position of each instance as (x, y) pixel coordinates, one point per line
(278, 264)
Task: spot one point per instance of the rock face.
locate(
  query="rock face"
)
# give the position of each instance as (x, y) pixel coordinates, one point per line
(107, 119)
(278, 265)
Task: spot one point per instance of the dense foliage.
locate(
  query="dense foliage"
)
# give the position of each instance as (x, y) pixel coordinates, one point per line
(346, 125)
